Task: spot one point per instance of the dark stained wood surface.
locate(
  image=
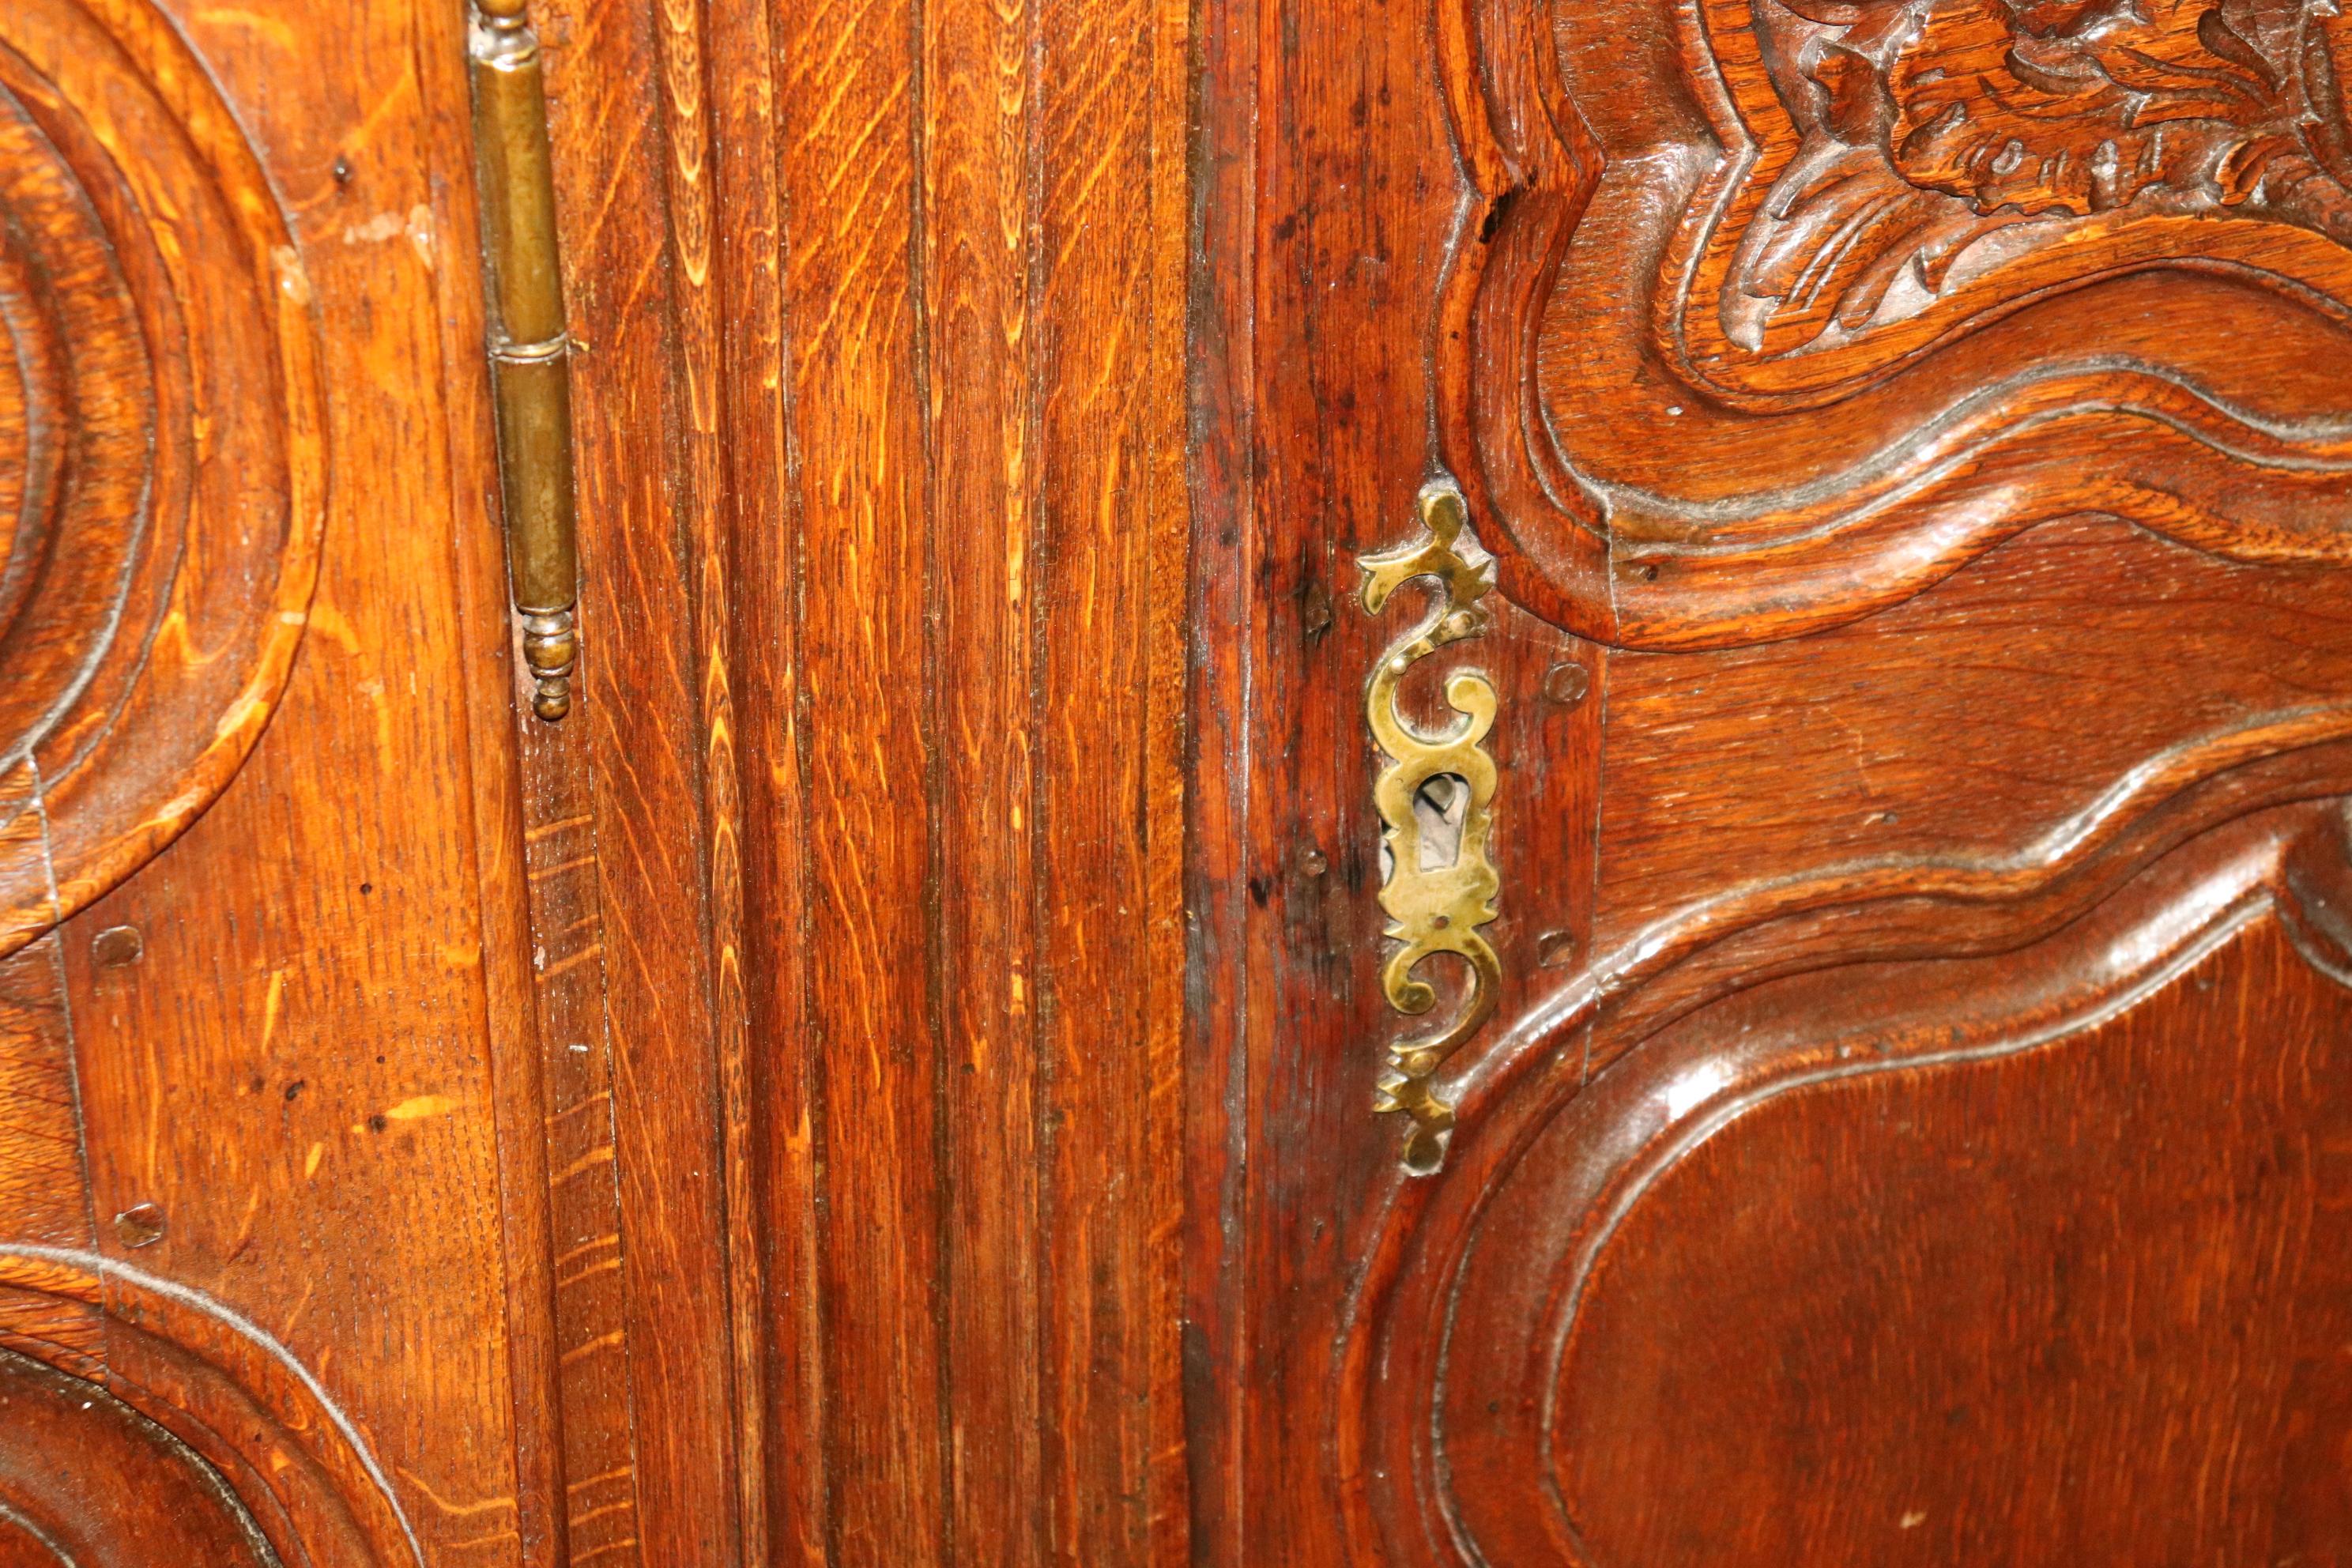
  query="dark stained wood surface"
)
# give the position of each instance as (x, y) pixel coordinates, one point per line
(87, 1480)
(2067, 1301)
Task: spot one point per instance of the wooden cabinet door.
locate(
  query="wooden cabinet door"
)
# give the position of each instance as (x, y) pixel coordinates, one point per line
(261, 903)
(1771, 868)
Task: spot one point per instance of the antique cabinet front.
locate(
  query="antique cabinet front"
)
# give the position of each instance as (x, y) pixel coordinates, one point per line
(1375, 782)
(1771, 871)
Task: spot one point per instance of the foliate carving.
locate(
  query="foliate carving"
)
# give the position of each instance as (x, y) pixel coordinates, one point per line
(1821, 401)
(1955, 134)
(1435, 799)
(1910, 147)
(2081, 106)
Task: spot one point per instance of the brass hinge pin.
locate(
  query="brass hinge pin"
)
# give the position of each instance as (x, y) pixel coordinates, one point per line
(529, 345)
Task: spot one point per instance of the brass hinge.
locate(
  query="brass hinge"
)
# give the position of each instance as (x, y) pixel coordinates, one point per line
(530, 347)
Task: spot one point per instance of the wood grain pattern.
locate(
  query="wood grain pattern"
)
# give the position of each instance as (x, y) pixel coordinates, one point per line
(44, 1196)
(2230, 938)
(896, 339)
(321, 1277)
(166, 450)
(223, 1386)
(2031, 1377)
(644, 771)
(896, 1077)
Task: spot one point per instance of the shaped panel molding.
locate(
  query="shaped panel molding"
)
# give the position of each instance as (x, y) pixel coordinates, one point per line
(243, 1407)
(1801, 1277)
(162, 449)
(88, 1482)
(1774, 312)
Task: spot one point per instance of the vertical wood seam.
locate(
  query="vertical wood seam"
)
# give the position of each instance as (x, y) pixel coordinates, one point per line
(820, 1121)
(1051, 1527)
(762, 465)
(1225, 154)
(1607, 662)
(688, 88)
(1168, 1505)
(943, 1369)
(514, 1051)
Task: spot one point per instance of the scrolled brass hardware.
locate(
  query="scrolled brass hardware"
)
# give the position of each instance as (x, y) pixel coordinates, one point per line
(1435, 799)
(530, 346)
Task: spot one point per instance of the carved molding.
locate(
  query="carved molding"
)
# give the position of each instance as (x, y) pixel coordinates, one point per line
(1939, 160)
(1932, 161)
(221, 1385)
(163, 463)
(1899, 903)
(1468, 1254)
(1435, 799)
(74, 1459)
(1862, 196)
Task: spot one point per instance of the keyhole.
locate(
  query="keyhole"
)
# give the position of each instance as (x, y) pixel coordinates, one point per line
(1440, 806)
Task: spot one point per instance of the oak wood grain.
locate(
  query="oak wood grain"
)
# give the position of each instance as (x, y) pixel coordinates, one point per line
(44, 1193)
(892, 1077)
(898, 332)
(311, 1266)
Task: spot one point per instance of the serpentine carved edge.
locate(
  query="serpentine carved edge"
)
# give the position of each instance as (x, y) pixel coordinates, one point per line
(1433, 908)
(232, 1392)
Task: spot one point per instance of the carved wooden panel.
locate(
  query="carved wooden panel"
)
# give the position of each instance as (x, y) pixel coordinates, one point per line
(262, 914)
(1766, 317)
(1905, 1261)
(162, 490)
(1888, 1110)
(86, 1479)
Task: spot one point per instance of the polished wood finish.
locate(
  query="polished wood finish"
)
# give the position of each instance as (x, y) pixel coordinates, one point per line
(1376, 782)
(162, 495)
(84, 1479)
(1901, 1133)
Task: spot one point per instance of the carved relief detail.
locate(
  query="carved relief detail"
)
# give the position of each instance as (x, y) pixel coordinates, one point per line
(1836, 196)
(74, 1460)
(1501, 1250)
(2081, 106)
(1435, 799)
(162, 461)
(1945, 138)
(217, 1381)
